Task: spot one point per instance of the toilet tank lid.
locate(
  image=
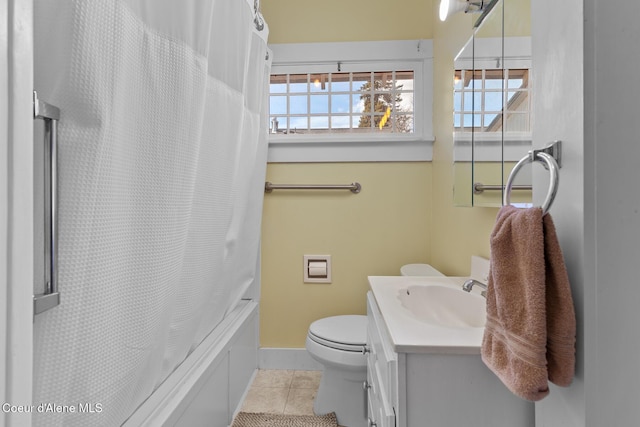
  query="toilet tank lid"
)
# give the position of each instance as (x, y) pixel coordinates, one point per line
(347, 329)
(419, 270)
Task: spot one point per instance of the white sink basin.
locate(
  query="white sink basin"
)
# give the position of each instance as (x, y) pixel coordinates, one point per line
(437, 316)
(444, 306)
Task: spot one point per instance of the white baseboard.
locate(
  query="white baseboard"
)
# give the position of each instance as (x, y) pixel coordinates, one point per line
(287, 358)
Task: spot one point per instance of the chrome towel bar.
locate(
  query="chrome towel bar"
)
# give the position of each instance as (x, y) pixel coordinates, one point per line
(550, 157)
(269, 187)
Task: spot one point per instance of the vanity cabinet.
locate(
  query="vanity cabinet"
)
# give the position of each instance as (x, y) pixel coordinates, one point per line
(382, 371)
(434, 388)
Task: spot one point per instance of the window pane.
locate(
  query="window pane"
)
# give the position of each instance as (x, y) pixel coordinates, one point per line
(457, 80)
(278, 83)
(278, 105)
(319, 83)
(493, 84)
(477, 80)
(404, 80)
(365, 121)
(298, 123)
(298, 82)
(468, 101)
(361, 81)
(457, 101)
(457, 120)
(514, 83)
(517, 78)
(477, 102)
(493, 101)
(468, 78)
(477, 120)
(340, 103)
(357, 103)
(492, 123)
(405, 102)
(381, 102)
(319, 104)
(494, 75)
(340, 122)
(518, 101)
(402, 123)
(320, 123)
(383, 81)
(340, 82)
(298, 104)
(364, 104)
(383, 121)
(275, 125)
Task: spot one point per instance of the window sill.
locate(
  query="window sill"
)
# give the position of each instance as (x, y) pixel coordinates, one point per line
(319, 150)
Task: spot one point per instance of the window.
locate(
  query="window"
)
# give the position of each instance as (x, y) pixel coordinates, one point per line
(339, 103)
(364, 101)
(492, 100)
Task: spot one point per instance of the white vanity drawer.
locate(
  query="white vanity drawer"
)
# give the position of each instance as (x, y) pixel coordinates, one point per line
(382, 359)
(380, 412)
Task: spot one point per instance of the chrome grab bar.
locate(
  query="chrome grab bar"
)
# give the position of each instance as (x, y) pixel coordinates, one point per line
(547, 156)
(269, 187)
(50, 114)
(479, 188)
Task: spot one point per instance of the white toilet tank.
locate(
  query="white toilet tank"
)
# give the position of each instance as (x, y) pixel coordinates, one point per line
(419, 270)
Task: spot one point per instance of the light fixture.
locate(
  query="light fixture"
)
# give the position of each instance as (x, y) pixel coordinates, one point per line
(449, 7)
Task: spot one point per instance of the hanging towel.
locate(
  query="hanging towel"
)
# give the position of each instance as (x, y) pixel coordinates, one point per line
(561, 318)
(529, 337)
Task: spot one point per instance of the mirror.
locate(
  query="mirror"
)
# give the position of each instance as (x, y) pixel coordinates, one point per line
(492, 107)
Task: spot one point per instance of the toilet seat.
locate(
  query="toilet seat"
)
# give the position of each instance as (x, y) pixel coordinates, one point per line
(346, 333)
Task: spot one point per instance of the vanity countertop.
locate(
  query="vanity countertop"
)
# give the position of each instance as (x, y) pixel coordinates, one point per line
(411, 335)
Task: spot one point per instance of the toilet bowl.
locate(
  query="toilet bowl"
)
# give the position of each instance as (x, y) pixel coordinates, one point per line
(337, 343)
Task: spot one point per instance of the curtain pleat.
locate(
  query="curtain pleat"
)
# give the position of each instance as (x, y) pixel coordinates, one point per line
(162, 159)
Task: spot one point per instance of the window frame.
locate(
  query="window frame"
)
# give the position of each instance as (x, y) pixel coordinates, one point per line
(404, 55)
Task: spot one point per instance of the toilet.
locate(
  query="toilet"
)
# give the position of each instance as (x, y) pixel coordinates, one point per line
(337, 343)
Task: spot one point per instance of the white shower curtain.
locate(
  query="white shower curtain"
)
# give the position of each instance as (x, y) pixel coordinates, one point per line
(162, 157)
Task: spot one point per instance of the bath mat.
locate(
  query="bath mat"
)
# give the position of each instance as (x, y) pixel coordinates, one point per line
(248, 419)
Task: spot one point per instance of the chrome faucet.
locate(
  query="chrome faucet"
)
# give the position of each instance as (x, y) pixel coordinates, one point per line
(469, 284)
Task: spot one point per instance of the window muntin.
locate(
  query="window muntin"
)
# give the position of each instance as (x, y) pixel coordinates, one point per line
(342, 102)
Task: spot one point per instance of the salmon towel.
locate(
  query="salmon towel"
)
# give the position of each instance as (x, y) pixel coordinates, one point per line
(529, 338)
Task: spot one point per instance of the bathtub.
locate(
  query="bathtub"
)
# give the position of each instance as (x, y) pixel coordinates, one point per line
(209, 386)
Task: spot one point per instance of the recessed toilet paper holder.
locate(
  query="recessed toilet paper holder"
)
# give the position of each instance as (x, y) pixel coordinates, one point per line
(317, 268)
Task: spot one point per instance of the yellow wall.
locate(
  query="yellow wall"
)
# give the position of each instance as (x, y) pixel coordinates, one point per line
(374, 232)
(405, 212)
(302, 21)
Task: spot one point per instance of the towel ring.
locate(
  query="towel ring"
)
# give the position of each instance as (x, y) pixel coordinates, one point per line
(550, 164)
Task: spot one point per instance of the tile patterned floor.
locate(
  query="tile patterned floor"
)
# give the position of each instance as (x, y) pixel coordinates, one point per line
(282, 392)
